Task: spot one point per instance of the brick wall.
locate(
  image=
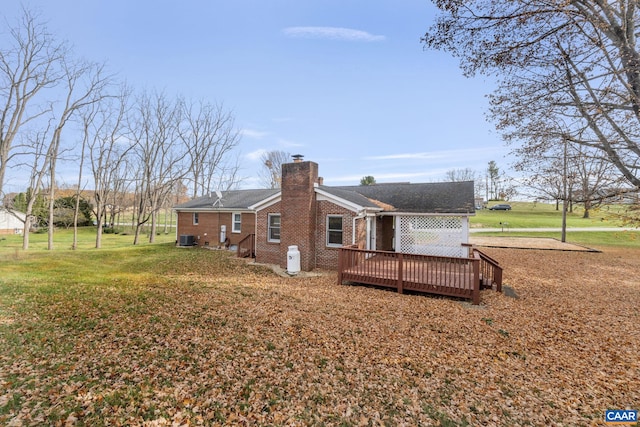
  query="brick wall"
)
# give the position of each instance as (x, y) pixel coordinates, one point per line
(327, 256)
(299, 213)
(207, 231)
(266, 252)
(304, 222)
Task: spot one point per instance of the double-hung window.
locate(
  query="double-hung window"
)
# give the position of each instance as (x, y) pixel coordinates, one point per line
(195, 218)
(237, 222)
(273, 231)
(334, 230)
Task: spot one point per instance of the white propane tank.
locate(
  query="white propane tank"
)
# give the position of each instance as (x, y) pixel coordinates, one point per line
(223, 233)
(293, 260)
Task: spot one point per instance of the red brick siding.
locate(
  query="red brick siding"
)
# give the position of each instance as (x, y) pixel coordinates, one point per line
(209, 223)
(326, 256)
(266, 252)
(299, 213)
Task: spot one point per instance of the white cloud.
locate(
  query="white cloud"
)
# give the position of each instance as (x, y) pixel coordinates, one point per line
(288, 144)
(332, 33)
(436, 155)
(422, 156)
(256, 154)
(256, 134)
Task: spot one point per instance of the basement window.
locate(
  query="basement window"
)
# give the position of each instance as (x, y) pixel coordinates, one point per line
(273, 232)
(334, 230)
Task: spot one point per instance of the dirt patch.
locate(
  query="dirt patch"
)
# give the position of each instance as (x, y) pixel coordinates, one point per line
(544, 243)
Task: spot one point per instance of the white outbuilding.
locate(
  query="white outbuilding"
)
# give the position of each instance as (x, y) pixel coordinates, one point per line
(11, 222)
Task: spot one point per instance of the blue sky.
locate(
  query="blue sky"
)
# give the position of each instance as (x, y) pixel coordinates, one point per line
(346, 83)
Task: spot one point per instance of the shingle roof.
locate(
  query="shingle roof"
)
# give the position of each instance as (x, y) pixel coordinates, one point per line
(438, 197)
(233, 199)
(349, 195)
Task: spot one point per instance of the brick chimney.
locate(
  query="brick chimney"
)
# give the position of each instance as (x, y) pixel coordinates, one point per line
(298, 211)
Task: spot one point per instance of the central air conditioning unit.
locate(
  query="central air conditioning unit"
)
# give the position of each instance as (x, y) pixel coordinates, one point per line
(187, 240)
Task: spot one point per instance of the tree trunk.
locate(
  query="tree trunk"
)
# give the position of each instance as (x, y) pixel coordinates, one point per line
(154, 225)
(52, 203)
(167, 212)
(99, 233)
(99, 216)
(25, 231)
(587, 209)
(76, 211)
(136, 236)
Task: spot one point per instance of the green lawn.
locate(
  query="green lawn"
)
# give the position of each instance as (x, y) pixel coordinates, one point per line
(542, 215)
(63, 239)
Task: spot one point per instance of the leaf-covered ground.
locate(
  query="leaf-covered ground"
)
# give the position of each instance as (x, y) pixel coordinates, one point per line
(201, 340)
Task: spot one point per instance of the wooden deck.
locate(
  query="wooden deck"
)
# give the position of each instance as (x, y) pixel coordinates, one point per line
(457, 277)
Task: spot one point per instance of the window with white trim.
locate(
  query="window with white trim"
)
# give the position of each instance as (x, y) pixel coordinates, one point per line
(237, 222)
(195, 218)
(334, 230)
(273, 228)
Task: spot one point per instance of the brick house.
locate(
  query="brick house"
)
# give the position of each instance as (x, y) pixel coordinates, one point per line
(213, 221)
(430, 218)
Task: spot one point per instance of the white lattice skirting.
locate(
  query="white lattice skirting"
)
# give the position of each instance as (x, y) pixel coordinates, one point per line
(432, 235)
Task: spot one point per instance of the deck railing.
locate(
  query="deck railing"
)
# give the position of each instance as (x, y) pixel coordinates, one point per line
(247, 247)
(458, 277)
(490, 271)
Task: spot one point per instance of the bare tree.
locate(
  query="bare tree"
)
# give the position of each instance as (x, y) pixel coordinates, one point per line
(544, 179)
(28, 65)
(34, 150)
(271, 172)
(159, 156)
(209, 135)
(493, 172)
(467, 174)
(84, 85)
(86, 119)
(120, 199)
(576, 62)
(590, 179)
(458, 175)
(107, 150)
(227, 176)
(593, 179)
